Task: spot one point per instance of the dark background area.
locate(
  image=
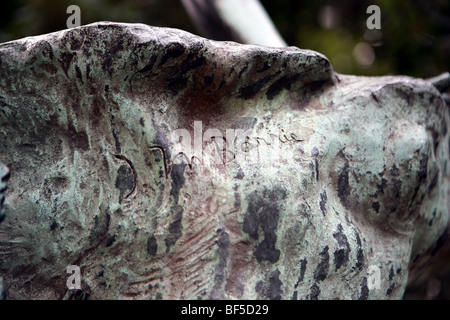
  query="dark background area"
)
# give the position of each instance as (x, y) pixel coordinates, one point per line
(414, 40)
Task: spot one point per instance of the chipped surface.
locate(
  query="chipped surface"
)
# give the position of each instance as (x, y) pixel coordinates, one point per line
(334, 175)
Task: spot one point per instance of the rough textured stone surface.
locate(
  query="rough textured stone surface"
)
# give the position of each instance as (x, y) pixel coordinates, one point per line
(355, 176)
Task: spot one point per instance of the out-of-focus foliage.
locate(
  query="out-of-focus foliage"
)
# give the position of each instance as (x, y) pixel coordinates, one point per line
(414, 38)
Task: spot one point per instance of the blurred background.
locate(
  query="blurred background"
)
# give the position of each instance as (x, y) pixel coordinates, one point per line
(414, 40)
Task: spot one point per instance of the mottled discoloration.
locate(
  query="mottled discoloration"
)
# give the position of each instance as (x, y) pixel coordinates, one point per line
(314, 292)
(263, 213)
(101, 226)
(341, 254)
(282, 83)
(359, 253)
(88, 124)
(303, 264)
(174, 229)
(124, 181)
(343, 186)
(152, 245)
(321, 271)
(376, 206)
(275, 291)
(223, 244)
(177, 181)
(249, 91)
(322, 203)
(395, 191)
(364, 293)
(390, 289)
(240, 174)
(391, 273)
